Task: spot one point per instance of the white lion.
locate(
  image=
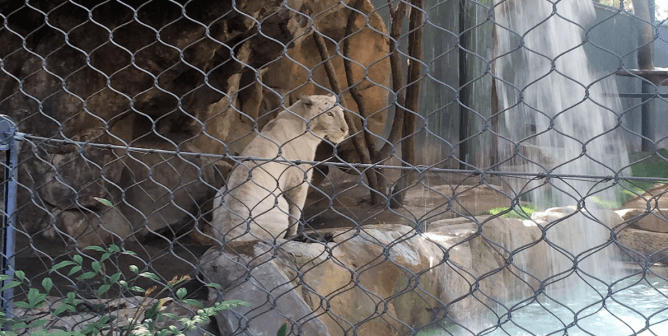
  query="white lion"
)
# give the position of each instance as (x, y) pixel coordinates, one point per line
(264, 199)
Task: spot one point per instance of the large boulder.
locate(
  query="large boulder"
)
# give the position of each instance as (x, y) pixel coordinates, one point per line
(645, 247)
(379, 280)
(642, 219)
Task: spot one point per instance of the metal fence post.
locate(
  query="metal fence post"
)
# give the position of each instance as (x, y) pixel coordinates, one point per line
(9, 142)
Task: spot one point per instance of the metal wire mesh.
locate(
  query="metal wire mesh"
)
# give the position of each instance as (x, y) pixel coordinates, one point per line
(419, 167)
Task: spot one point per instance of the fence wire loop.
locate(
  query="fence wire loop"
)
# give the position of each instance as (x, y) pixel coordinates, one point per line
(334, 167)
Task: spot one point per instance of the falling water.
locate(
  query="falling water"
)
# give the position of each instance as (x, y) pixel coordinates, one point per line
(555, 118)
(559, 121)
(558, 118)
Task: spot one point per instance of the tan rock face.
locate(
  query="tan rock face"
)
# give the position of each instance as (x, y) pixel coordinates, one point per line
(644, 246)
(655, 198)
(654, 221)
(387, 278)
(196, 90)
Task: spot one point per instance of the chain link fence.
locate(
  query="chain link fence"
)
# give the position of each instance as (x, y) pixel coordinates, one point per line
(343, 167)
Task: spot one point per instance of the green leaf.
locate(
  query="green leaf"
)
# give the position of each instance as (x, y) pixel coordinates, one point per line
(193, 302)
(214, 285)
(61, 265)
(47, 283)
(149, 275)
(4, 277)
(283, 330)
(105, 256)
(181, 292)
(129, 253)
(62, 308)
(123, 283)
(78, 259)
(74, 270)
(21, 304)
(103, 289)
(87, 275)
(137, 289)
(45, 332)
(231, 303)
(20, 275)
(35, 297)
(104, 201)
(10, 284)
(38, 323)
(71, 296)
(113, 248)
(96, 266)
(171, 316)
(114, 278)
(152, 312)
(134, 269)
(20, 325)
(95, 248)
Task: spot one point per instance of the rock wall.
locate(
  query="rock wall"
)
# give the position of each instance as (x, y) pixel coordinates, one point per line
(383, 280)
(146, 75)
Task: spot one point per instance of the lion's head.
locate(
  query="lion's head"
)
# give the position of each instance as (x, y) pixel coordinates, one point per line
(325, 117)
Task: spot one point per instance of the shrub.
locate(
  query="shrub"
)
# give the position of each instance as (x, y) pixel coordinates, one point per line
(41, 316)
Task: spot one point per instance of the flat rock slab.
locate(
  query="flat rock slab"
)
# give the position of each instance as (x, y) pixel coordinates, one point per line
(643, 245)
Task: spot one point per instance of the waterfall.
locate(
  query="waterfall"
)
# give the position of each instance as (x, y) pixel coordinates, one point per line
(557, 120)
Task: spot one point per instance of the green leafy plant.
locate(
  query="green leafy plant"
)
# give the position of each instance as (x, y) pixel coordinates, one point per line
(523, 212)
(41, 315)
(283, 330)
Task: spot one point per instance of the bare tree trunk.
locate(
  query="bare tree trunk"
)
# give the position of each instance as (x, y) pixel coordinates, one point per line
(397, 17)
(495, 101)
(645, 34)
(354, 92)
(358, 140)
(412, 101)
(464, 95)
(641, 8)
(361, 108)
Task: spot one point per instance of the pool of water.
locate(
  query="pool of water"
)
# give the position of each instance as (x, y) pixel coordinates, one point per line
(635, 307)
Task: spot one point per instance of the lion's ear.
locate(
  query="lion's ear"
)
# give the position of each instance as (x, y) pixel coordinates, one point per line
(306, 100)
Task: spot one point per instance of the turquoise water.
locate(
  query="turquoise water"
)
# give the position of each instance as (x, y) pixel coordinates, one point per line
(634, 308)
